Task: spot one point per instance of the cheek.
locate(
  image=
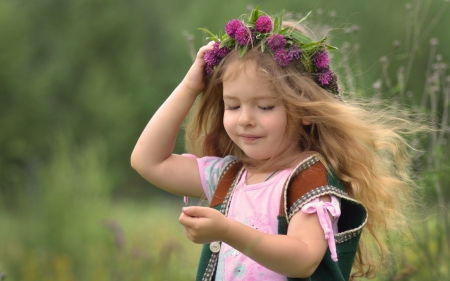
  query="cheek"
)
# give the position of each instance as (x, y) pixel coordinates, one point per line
(293, 133)
(281, 131)
(227, 122)
(278, 124)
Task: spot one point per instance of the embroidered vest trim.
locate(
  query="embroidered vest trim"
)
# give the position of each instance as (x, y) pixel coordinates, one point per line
(299, 189)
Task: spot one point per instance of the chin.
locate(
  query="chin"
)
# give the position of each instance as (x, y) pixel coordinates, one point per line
(258, 157)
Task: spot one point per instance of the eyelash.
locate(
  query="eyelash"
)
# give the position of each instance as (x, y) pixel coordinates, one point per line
(264, 108)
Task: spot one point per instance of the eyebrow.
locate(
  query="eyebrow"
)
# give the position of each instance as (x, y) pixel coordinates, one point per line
(228, 97)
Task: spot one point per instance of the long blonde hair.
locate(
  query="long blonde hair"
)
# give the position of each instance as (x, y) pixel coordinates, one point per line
(365, 146)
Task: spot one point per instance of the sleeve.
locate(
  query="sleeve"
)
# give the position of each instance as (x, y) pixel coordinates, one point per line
(322, 209)
(304, 195)
(210, 168)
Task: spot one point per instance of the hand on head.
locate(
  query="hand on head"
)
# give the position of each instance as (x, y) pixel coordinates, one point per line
(194, 79)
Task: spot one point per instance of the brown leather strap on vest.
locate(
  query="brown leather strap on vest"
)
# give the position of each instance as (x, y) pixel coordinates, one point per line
(306, 180)
(225, 183)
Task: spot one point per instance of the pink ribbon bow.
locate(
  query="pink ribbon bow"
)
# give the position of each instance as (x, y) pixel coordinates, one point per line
(320, 207)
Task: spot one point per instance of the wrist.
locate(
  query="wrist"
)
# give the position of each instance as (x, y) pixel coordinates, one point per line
(188, 90)
(226, 229)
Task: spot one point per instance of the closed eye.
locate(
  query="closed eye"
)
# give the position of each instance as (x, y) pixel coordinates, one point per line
(266, 107)
(228, 107)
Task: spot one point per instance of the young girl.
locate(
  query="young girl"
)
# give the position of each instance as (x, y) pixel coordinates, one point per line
(292, 171)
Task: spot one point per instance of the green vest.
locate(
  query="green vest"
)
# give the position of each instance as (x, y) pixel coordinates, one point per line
(309, 180)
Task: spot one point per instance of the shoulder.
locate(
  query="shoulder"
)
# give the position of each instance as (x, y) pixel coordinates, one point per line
(210, 169)
(213, 163)
(310, 173)
(310, 179)
(217, 161)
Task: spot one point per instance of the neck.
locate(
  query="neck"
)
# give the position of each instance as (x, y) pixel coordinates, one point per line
(265, 168)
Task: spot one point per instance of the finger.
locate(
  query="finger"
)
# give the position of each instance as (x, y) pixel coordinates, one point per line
(182, 219)
(188, 221)
(210, 45)
(204, 49)
(195, 211)
(186, 232)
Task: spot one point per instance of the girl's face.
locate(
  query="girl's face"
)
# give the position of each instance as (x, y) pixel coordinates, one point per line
(254, 118)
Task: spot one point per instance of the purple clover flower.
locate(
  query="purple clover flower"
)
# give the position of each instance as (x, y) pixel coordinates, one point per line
(276, 41)
(264, 24)
(214, 56)
(326, 78)
(243, 35)
(281, 57)
(209, 69)
(211, 58)
(321, 60)
(221, 52)
(232, 26)
(295, 52)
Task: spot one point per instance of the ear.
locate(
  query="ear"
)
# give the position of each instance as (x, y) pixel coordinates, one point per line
(306, 122)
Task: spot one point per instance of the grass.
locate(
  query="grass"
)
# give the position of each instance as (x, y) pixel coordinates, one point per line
(142, 240)
(69, 229)
(134, 241)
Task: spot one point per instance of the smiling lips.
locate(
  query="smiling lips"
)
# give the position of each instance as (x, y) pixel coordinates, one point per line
(249, 138)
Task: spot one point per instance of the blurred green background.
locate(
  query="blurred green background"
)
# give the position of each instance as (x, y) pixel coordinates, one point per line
(80, 79)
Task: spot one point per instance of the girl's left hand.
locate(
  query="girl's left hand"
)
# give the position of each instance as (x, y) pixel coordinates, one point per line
(203, 225)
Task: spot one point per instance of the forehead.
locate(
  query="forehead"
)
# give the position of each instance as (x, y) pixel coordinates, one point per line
(237, 67)
(243, 77)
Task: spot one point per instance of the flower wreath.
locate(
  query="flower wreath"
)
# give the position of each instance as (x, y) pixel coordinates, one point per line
(285, 44)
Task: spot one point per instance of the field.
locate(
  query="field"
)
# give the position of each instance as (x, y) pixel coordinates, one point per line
(130, 241)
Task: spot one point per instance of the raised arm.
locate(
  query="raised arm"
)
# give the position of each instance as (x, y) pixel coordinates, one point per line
(152, 156)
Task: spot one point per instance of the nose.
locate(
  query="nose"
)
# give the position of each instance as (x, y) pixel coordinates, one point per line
(246, 117)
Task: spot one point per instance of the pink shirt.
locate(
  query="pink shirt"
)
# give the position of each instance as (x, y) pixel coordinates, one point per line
(254, 205)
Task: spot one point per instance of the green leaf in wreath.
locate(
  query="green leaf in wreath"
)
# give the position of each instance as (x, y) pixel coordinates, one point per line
(304, 18)
(329, 47)
(275, 24)
(300, 37)
(314, 45)
(278, 23)
(251, 25)
(226, 42)
(307, 63)
(281, 19)
(285, 31)
(254, 16)
(224, 37)
(242, 51)
(213, 36)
